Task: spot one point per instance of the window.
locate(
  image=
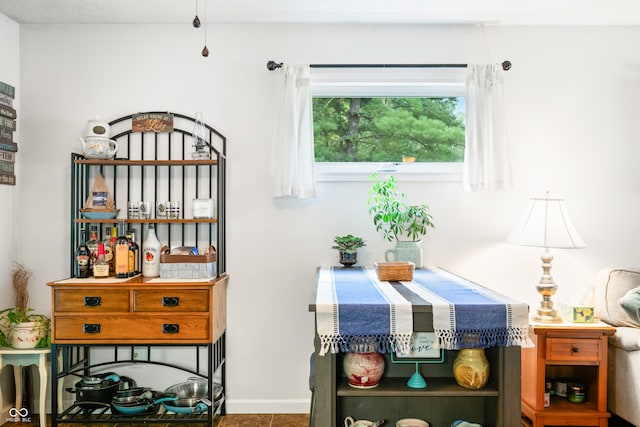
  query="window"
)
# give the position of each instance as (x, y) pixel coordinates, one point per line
(406, 120)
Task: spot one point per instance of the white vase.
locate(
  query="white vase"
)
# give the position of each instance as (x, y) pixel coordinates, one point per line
(406, 251)
(363, 370)
(25, 335)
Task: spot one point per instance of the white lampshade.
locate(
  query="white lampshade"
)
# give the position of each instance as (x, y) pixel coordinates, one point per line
(546, 224)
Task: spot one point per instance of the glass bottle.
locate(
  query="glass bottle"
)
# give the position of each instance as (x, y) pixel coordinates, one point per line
(199, 139)
(151, 254)
(108, 250)
(121, 254)
(134, 254)
(101, 267)
(92, 244)
(83, 257)
(112, 243)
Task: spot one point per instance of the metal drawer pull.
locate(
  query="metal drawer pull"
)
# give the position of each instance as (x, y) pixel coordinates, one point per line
(92, 301)
(170, 328)
(576, 349)
(170, 301)
(91, 328)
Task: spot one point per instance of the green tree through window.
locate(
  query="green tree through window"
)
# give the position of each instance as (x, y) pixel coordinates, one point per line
(386, 129)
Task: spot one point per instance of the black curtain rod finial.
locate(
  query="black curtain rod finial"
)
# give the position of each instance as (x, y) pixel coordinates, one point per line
(272, 65)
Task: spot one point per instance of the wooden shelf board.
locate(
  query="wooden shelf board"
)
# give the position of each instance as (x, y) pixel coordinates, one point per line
(187, 162)
(398, 387)
(150, 220)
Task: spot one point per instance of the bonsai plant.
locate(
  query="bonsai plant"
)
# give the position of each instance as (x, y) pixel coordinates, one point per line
(348, 246)
(398, 221)
(19, 326)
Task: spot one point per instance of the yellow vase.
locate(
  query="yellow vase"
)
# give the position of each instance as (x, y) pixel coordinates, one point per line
(471, 368)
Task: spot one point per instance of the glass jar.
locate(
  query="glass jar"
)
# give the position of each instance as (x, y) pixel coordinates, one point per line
(576, 392)
(471, 368)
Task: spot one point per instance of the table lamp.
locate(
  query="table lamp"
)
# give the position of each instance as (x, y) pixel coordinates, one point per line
(546, 224)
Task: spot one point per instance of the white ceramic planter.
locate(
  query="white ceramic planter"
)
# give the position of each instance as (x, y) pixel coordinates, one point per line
(25, 335)
(406, 251)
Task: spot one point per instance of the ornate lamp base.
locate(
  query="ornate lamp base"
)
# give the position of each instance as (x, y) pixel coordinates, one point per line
(546, 313)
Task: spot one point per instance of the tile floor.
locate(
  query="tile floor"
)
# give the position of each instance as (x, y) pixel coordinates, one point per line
(264, 420)
(255, 420)
(231, 420)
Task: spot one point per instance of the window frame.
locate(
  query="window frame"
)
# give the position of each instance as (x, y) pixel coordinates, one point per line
(388, 82)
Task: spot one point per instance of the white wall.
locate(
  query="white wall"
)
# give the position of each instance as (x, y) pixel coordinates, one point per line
(572, 98)
(9, 73)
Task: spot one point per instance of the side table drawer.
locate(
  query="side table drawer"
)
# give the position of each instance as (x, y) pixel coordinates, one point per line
(573, 349)
(91, 300)
(171, 300)
(116, 328)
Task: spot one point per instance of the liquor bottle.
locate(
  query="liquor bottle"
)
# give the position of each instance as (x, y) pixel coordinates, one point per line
(108, 249)
(92, 244)
(134, 254)
(83, 257)
(101, 267)
(121, 254)
(114, 237)
(151, 254)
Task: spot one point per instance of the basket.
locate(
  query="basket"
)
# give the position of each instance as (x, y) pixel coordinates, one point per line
(188, 266)
(395, 271)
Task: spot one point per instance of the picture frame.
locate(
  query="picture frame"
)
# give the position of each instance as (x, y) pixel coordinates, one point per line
(422, 350)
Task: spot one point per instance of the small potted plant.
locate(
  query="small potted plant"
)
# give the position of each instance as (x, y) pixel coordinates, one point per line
(348, 247)
(19, 326)
(405, 224)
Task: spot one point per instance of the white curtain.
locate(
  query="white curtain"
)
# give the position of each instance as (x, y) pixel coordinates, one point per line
(292, 148)
(486, 155)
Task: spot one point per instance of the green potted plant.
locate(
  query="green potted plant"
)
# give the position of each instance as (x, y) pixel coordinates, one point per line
(348, 247)
(398, 221)
(19, 326)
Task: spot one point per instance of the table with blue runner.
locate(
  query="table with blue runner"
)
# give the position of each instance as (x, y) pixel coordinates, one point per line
(357, 312)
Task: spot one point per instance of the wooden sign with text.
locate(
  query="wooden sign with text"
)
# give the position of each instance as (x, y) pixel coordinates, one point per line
(152, 122)
(7, 178)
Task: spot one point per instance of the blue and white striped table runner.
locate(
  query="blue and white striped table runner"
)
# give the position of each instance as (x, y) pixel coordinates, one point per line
(357, 312)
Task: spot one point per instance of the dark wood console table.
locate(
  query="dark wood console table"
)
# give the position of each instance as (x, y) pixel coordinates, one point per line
(441, 402)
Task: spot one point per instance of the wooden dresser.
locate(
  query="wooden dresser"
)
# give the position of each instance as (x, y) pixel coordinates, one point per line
(136, 311)
(133, 312)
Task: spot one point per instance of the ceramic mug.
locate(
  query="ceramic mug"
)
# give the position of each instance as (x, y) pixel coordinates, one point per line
(350, 422)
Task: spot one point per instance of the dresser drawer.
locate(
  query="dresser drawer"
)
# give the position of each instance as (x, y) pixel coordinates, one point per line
(91, 300)
(120, 328)
(171, 300)
(573, 349)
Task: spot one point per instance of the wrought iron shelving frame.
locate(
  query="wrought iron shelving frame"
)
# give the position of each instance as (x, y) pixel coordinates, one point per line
(149, 164)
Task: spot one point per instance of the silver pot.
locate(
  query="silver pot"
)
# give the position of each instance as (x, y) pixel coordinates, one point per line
(193, 396)
(193, 387)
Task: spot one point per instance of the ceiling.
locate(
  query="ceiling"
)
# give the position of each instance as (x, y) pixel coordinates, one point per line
(491, 12)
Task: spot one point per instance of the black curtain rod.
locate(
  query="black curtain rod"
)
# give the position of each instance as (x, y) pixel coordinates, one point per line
(273, 65)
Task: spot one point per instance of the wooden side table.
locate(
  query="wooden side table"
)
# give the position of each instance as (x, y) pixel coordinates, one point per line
(573, 351)
(26, 357)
